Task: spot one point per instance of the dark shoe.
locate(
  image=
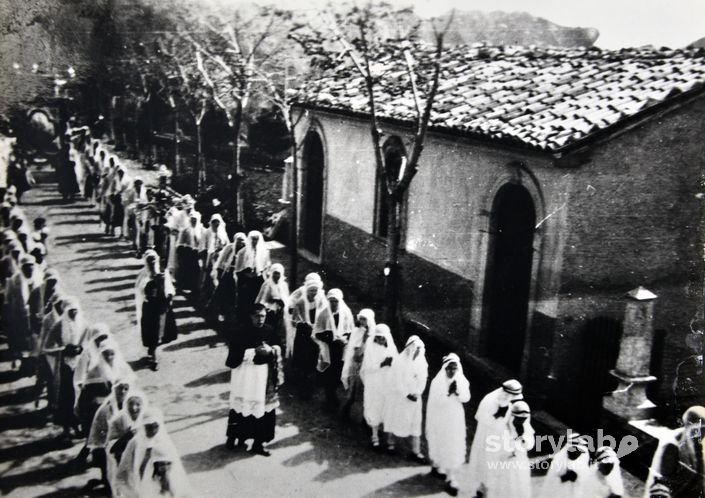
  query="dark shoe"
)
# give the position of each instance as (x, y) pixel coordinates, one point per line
(154, 366)
(451, 490)
(437, 474)
(230, 443)
(390, 450)
(258, 449)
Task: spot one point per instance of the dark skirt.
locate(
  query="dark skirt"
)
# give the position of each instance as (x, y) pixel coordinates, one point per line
(118, 214)
(188, 272)
(247, 289)
(305, 349)
(226, 292)
(66, 397)
(90, 399)
(157, 326)
(260, 429)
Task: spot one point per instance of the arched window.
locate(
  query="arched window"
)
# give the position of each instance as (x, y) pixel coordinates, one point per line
(394, 155)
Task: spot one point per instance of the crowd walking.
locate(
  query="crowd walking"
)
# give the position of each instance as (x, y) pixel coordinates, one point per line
(308, 337)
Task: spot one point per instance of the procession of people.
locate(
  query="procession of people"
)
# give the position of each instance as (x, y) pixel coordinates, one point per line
(308, 337)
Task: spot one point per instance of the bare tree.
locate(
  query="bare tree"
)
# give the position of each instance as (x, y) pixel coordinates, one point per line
(191, 89)
(379, 44)
(228, 54)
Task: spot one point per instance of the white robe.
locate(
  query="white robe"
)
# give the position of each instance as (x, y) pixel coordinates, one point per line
(554, 486)
(376, 379)
(445, 421)
(129, 482)
(403, 417)
(487, 426)
(508, 469)
(601, 486)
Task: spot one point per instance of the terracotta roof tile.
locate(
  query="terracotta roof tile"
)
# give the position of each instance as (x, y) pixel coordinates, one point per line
(546, 98)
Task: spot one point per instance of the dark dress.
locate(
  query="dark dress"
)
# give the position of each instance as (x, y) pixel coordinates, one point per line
(118, 212)
(248, 286)
(188, 270)
(158, 324)
(249, 427)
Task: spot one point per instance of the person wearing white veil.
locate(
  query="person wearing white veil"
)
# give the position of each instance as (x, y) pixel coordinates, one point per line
(214, 239)
(331, 331)
(154, 291)
(492, 415)
(251, 265)
(66, 338)
(97, 441)
(274, 294)
(509, 469)
(352, 361)
(605, 480)
(122, 427)
(445, 420)
(380, 354)
(134, 462)
(223, 303)
(570, 469)
(303, 308)
(404, 413)
(187, 244)
(165, 476)
(134, 198)
(17, 308)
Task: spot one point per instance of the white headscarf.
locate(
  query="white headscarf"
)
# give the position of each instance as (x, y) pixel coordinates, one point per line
(375, 353)
(271, 290)
(409, 373)
(357, 340)
(253, 256)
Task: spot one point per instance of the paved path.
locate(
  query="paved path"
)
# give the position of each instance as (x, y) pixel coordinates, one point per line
(314, 454)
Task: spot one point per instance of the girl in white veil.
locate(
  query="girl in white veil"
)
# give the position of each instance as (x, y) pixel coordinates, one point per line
(445, 421)
(508, 467)
(352, 362)
(380, 354)
(404, 413)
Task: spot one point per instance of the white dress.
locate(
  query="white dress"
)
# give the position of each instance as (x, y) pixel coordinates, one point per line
(445, 421)
(403, 417)
(508, 472)
(376, 378)
(555, 486)
(487, 426)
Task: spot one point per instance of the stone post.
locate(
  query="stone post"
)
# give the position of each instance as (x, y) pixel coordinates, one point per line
(629, 401)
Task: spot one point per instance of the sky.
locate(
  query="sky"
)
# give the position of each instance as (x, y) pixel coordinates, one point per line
(621, 23)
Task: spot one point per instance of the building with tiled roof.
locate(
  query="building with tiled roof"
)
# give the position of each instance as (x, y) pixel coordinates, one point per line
(552, 182)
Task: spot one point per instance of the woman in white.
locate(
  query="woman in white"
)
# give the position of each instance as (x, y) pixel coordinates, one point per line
(568, 474)
(509, 471)
(137, 469)
(445, 420)
(352, 361)
(122, 429)
(98, 435)
(380, 354)
(214, 239)
(404, 413)
(605, 479)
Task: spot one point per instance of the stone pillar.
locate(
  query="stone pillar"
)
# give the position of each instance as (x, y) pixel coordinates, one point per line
(629, 401)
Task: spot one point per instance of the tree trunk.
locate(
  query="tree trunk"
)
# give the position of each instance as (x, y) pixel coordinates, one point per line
(237, 175)
(293, 220)
(111, 120)
(177, 157)
(392, 281)
(200, 169)
(136, 129)
(151, 156)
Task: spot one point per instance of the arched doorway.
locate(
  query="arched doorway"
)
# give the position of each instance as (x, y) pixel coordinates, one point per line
(312, 209)
(508, 277)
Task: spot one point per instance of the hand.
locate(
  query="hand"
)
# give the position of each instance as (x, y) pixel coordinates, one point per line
(387, 362)
(453, 388)
(412, 397)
